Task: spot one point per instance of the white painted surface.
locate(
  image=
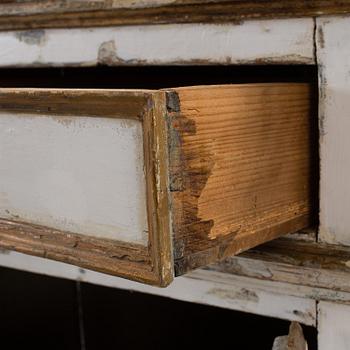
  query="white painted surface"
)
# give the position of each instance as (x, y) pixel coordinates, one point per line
(270, 40)
(266, 298)
(333, 326)
(333, 52)
(78, 174)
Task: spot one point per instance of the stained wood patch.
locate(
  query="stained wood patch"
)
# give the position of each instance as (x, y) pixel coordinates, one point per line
(60, 14)
(239, 167)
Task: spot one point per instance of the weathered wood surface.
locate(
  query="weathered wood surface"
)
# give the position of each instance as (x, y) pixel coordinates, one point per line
(323, 267)
(125, 104)
(333, 50)
(58, 14)
(240, 172)
(83, 189)
(83, 175)
(277, 41)
(333, 326)
(267, 298)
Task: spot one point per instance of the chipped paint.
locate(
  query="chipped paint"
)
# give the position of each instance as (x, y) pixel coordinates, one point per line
(271, 42)
(32, 37)
(320, 37)
(107, 53)
(241, 294)
(72, 193)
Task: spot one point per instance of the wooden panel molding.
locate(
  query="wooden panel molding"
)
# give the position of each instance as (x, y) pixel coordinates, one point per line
(26, 15)
(150, 263)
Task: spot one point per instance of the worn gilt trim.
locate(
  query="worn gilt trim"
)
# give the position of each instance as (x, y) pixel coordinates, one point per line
(64, 14)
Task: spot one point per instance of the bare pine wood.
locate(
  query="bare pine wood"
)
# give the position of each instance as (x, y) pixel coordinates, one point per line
(60, 14)
(239, 167)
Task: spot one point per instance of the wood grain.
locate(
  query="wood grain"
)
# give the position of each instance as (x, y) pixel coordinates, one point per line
(156, 168)
(317, 265)
(60, 14)
(76, 102)
(239, 167)
(108, 256)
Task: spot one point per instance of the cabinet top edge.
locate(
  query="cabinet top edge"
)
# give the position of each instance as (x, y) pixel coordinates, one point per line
(59, 14)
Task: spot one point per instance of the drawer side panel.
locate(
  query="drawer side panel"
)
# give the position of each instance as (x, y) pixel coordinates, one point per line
(240, 167)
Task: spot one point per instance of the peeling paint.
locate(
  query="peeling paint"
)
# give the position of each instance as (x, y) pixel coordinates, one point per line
(322, 96)
(327, 234)
(302, 314)
(320, 37)
(166, 44)
(65, 121)
(32, 37)
(107, 53)
(242, 294)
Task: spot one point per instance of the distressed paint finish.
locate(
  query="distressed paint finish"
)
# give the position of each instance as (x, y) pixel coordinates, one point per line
(76, 177)
(230, 292)
(266, 298)
(278, 41)
(60, 13)
(333, 51)
(323, 270)
(88, 176)
(333, 326)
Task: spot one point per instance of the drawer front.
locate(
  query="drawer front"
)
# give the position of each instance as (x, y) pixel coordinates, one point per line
(150, 184)
(83, 180)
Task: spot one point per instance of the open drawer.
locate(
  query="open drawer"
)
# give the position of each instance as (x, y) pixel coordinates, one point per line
(149, 184)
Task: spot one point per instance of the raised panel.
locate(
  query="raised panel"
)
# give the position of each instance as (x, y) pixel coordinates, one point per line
(80, 171)
(77, 174)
